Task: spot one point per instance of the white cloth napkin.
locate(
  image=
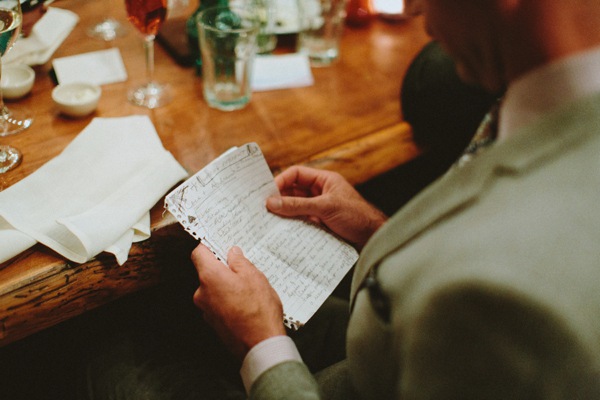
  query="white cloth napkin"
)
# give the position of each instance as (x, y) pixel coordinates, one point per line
(46, 35)
(94, 196)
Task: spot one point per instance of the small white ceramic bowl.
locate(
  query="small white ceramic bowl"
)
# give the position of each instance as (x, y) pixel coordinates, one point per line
(17, 80)
(76, 99)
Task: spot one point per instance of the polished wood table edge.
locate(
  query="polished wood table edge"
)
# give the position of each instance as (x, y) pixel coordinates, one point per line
(366, 157)
(41, 297)
(66, 290)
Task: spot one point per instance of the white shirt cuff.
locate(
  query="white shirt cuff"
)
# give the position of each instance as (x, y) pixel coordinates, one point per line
(265, 355)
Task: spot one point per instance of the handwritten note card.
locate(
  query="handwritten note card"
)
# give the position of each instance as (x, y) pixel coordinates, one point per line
(224, 205)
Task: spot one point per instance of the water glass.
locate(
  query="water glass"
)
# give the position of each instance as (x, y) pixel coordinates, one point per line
(321, 26)
(228, 41)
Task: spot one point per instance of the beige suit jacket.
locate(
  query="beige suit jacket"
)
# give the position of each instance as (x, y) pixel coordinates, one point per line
(491, 276)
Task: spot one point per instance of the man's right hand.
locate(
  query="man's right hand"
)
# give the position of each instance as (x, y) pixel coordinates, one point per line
(328, 198)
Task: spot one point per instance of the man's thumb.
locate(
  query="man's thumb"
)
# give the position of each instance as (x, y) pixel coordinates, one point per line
(236, 259)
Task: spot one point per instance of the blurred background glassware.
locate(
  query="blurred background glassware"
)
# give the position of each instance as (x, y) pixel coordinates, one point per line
(286, 18)
(108, 28)
(228, 38)
(391, 10)
(359, 13)
(11, 18)
(191, 30)
(267, 12)
(321, 27)
(148, 16)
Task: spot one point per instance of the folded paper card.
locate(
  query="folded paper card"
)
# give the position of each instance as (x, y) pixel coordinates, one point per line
(46, 36)
(281, 71)
(96, 67)
(94, 196)
(224, 205)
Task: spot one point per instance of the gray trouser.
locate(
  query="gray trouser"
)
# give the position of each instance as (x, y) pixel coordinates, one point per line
(165, 350)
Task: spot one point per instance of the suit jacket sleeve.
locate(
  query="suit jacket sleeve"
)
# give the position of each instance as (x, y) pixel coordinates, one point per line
(288, 380)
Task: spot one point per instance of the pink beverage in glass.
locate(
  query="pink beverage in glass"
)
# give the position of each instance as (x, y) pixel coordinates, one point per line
(146, 15)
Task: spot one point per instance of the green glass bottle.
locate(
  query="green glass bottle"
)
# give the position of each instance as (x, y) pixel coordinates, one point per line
(192, 30)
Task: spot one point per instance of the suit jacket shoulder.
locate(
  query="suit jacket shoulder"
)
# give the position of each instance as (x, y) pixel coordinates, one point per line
(513, 233)
(551, 138)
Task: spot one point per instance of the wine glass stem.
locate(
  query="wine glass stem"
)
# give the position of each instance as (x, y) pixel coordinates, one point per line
(149, 48)
(1, 96)
(3, 110)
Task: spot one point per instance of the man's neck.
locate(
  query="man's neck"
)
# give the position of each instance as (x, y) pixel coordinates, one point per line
(546, 31)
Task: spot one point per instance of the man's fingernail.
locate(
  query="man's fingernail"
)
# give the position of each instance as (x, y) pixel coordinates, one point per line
(236, 250)
(274, 203)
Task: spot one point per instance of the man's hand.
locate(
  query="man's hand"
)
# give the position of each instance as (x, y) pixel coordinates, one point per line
(327, 197)
(237, 301)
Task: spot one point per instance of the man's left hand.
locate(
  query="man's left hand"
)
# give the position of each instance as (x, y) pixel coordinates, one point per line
(237, 301)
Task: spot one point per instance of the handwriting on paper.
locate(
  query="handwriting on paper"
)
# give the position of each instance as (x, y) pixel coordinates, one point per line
(224, 205)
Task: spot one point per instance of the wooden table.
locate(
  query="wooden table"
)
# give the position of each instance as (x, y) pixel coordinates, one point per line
(349, 121)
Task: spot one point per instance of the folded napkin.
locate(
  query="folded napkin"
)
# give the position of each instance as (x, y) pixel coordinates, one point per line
(281, 71)
(45, 37)
(94, 196)
(98, 67)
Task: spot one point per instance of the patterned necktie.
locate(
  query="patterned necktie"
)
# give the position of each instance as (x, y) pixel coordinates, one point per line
(484, 136)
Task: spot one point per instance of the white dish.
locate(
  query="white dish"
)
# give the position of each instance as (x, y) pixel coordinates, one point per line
(17, 80)
(76, 99)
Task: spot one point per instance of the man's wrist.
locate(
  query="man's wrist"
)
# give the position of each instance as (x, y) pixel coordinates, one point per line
(265, 355)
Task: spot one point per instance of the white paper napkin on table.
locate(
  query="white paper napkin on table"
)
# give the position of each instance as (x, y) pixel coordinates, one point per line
(94, 196)
(281, 71)
(97, 67)
(46, 35)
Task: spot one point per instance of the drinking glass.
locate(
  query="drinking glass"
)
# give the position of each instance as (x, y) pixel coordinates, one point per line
(147, 16)
(322, 24)
(228, 39)
(11, 19)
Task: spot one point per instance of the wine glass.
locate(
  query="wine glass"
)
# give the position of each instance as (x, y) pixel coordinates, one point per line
(11, 18)
(147, 16)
